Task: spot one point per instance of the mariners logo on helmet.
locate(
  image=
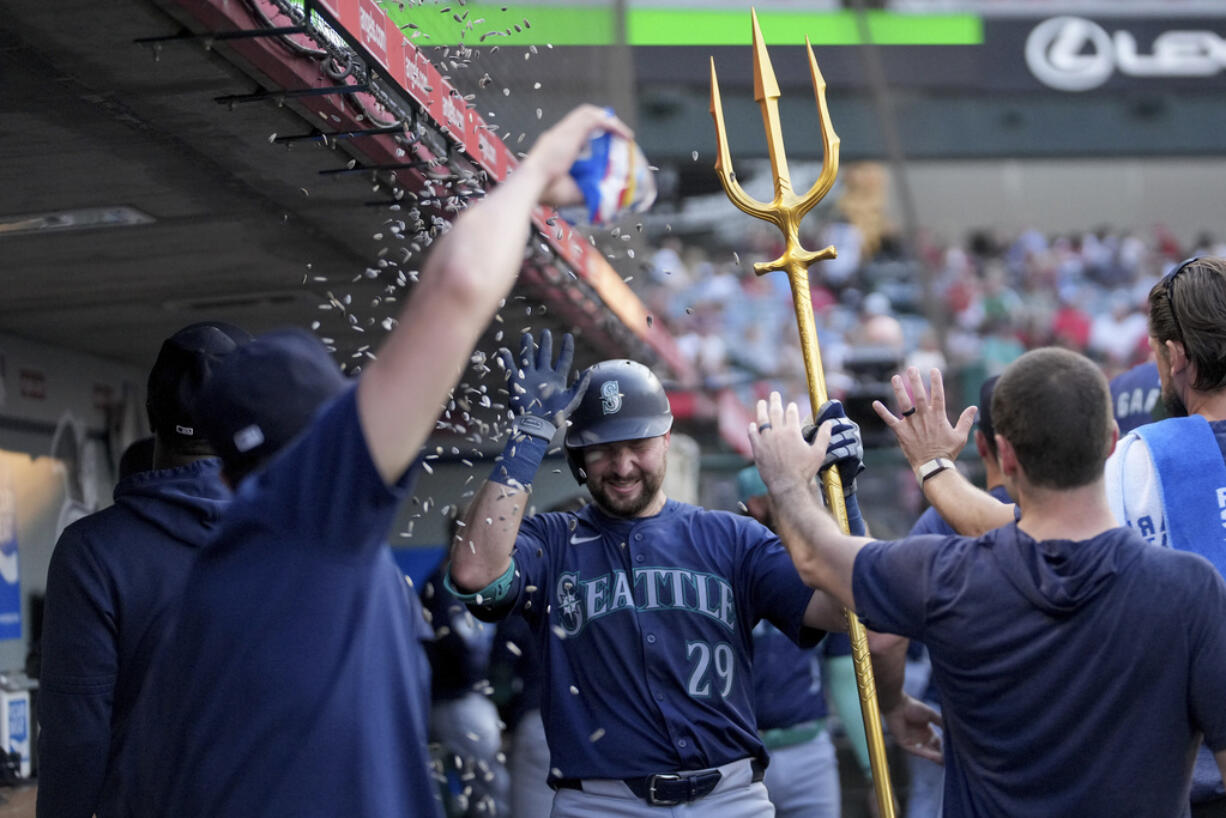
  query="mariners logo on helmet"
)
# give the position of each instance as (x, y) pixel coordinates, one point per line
(610, 397)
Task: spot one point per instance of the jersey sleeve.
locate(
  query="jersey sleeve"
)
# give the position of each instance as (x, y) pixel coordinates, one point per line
(892, 581)
(80, 664)
(775, 591)
(1208, 656)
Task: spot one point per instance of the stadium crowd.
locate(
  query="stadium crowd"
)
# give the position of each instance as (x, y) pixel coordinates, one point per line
(993, 298)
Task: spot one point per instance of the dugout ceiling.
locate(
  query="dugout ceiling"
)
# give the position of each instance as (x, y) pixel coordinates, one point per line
(148, 185)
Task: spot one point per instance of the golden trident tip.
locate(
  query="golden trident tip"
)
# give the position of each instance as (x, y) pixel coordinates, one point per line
(787, 209)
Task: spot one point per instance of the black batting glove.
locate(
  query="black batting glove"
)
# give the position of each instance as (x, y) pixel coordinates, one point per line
(846, 449)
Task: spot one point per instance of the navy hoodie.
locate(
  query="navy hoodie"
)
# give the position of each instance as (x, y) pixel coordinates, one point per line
(1076, 676)
(113, 584)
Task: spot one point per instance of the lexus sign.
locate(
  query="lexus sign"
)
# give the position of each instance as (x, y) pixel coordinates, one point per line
(1076, 54)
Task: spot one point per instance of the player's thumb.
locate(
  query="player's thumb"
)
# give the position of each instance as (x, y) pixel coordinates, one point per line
(965, 421)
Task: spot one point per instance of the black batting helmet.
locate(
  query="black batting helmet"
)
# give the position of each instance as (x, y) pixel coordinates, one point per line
(624, 400)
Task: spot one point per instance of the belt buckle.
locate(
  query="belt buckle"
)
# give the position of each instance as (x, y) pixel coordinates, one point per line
(654, 801)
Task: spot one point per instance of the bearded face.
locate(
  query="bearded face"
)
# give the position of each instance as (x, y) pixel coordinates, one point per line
(625, 477)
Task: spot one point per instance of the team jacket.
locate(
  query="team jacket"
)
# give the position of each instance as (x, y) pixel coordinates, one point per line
(114, 579)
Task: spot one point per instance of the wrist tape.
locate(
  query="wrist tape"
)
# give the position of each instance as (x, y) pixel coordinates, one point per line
(517, 464)
(535, 426)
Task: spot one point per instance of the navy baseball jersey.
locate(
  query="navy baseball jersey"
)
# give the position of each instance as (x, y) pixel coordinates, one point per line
(296, 682)
(112, 586)
(644, 626)
(1134, 395)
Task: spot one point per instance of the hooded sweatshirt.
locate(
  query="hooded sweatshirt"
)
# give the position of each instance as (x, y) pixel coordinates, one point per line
(113, 584)
(1076, 675)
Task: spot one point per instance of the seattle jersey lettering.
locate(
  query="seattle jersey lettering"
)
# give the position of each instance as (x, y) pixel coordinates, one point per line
(647, 589)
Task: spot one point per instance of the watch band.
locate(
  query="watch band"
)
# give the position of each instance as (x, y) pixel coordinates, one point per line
(934, 466)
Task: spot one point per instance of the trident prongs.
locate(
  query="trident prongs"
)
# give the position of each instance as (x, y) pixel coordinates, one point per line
(787, 209)
(723, 162)
(830, 140)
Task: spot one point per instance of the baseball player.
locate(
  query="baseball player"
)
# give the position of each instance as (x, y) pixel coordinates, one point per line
(642, 606)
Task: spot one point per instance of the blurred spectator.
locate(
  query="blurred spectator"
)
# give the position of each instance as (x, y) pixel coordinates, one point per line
(667, 268)
(1071, 324)
(928, 354)
(1115, 335)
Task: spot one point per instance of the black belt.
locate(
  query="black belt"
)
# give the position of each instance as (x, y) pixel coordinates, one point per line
(668, 789)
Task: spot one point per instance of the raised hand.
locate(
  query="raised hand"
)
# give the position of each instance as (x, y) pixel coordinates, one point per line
(557, 149)
(782, 453)
(537, 385)
(922, 429)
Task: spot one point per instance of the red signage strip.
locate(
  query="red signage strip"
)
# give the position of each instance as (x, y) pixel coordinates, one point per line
(364, 25)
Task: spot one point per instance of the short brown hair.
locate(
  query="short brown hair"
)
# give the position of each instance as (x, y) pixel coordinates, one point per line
(1054, 408)
(1189, 306)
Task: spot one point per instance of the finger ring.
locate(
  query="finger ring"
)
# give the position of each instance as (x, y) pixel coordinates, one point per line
(763, 428)
(909, 412)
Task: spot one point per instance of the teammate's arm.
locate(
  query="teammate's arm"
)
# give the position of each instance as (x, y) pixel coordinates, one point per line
(824, 612)
(825, 557)
(909, 720)
(968, 509)
(469, 271)
(925, 434)
(1220, 755)
(822, 553)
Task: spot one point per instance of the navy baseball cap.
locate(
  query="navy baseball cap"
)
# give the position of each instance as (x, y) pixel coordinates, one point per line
(264, 395)
(186, 360)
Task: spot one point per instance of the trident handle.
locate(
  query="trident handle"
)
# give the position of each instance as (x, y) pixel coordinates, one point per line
(832, 485)
(785, 211)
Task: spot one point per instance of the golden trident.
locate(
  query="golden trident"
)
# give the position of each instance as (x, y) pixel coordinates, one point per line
(785, 211)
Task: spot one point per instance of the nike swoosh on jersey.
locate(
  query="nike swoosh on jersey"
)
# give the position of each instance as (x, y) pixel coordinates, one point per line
(575, 540)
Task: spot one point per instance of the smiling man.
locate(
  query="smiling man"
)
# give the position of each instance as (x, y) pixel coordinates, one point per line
(642, 607)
